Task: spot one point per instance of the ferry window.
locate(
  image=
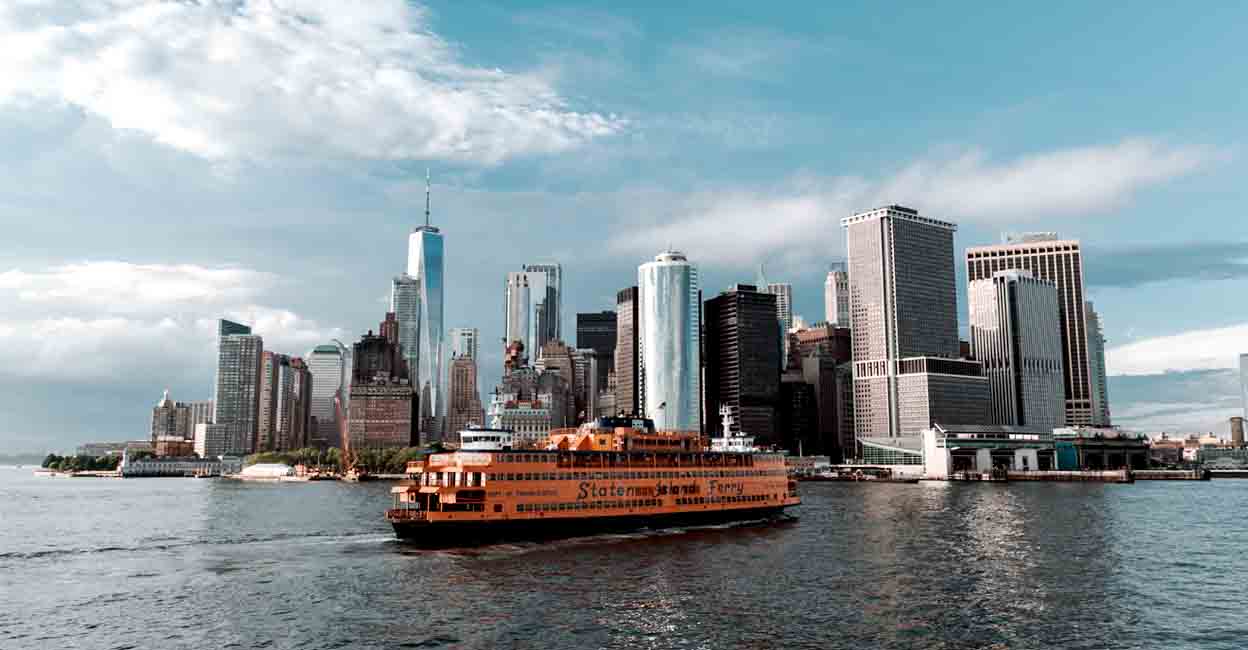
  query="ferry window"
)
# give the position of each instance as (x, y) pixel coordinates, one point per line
(498, 507)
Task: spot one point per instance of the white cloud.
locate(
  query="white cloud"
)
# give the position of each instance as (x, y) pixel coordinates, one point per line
(116, 320)
(1063, 182)
(799, 220)
(1195, 350)
(264, 79)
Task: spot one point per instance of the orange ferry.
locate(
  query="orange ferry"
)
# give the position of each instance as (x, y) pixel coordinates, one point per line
(613, 474)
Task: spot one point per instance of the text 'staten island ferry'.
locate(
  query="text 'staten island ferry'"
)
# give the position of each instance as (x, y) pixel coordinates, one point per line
(612, 474)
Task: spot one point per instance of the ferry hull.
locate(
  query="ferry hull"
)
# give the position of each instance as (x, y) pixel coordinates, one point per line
(456, 534)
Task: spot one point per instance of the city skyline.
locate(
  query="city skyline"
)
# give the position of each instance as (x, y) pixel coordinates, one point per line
(124, 286)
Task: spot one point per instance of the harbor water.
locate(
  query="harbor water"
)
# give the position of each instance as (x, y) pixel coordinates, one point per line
(187, 563)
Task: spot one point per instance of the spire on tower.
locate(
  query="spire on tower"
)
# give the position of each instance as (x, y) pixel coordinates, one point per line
(426, 196)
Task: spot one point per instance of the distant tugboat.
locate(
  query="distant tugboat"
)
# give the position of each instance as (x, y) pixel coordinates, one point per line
(612, 474)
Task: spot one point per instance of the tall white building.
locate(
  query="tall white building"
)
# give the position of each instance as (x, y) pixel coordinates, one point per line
(908, 374)
(1016, 334)
(836, 298)
(1060, 261)
(1099, 385)
(669, 342)
(516, 311)
(425, 264)
(465, 342)
(405, 303)
(329, 366)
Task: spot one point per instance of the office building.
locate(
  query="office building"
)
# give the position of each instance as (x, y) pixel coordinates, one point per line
(236, 395)
(627, 366)
(465, 399)
(1099, 386)
(201, 412)
(1016, 335)
(382, 410)
(669, 342)
(585, 381)
(1059, 261)
(516, 297)
(465, 342)
(741, 350)
(797, 417)
(546, 295)
(276, 395)
(836, 297)
(783, 291)
(171, 419)
(597, 332)
(329, 368)
(556, 357)
(823, 338)
(299, 433)
(904, 327)
(425, 263)
(405, 305)
(212, 440)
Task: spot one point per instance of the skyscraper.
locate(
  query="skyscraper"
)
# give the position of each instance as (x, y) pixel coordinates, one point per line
(596, 331)
(1059, 261)
(546, 294)
(1016, 336)
(743, 359)
(669, 342)
(836, 297)
(382, 411)
(425, 263)
(405, 304)
(327, 363)
(627, 360)
(298, 435)
(276, 395)
(171, 419)
(904, 326)
(465, 399)
(1096, 367)
(465, 342)
(236, 395)
(516, 310)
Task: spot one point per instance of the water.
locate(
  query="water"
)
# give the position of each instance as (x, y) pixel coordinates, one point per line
(183, 563)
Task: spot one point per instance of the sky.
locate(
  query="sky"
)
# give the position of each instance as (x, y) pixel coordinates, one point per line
(163, 165)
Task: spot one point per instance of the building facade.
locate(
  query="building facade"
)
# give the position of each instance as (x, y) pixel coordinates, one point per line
(546, 294)
(1016, 335)
(405, 305)
(1099, 387)
(627, 366)
(516, 297)
(741, 350)
(382, 411)
(236, 396)
(465, 342)
(465, 400)
(1243, 381)
(836, 297)
(171, 419)
(1059, 261)
(669, 342)
(597, 332)
(425, 263)
(904, 325)
(327, 364)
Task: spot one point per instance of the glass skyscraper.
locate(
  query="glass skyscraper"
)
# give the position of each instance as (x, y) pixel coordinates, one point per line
(546, 295)
(425, 264)
(405, 304)
(670, 342)
(328, 365)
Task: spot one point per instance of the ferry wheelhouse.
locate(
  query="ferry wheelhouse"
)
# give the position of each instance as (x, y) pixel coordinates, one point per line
(607, 475)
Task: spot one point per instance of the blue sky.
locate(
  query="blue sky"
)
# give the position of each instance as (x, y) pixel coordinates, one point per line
(164, 164)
